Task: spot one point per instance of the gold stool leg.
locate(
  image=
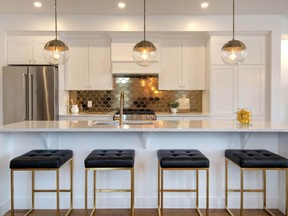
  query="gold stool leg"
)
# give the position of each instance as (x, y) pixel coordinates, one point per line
(33, 189)
(241, 192)
(132, 191)
(86, 190)
(159, 195)
(71, 184)
(12, 191)
(207, 192)
(162, 188)
(57, 192)
(264, 189)
(197, 189)
(94, 193)
(286, 206)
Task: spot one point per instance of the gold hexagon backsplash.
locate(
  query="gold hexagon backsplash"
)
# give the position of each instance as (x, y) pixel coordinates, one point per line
(141, 92)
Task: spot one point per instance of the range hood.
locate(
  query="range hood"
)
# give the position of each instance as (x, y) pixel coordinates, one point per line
(133, 68)
(123, 63)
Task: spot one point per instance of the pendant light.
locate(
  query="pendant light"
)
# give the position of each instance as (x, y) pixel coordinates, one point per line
(234, 51)
(144, 52)
(56, 52)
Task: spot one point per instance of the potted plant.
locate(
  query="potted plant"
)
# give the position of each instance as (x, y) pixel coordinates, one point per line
(173, 106)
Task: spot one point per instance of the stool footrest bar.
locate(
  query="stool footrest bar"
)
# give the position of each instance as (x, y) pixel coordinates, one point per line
(112, 190)
(246, 190)
(47, 191)
(179, 190)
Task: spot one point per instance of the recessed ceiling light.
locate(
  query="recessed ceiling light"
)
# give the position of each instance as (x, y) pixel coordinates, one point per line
(38, 4)
(204, 5)
(121, 5)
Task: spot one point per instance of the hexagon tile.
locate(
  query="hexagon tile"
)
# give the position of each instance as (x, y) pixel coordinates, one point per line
(141, 92)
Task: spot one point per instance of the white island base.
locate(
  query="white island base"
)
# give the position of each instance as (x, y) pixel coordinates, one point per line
(211, 138)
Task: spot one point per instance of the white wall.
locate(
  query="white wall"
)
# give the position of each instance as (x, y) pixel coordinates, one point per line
(284, 71)
(244, 24)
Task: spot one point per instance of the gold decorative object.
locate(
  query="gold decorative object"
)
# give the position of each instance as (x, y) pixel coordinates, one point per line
(244, 116)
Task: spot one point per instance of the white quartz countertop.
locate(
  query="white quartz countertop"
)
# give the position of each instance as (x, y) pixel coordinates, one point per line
(89, 114)
(186, 114)
(137, 126)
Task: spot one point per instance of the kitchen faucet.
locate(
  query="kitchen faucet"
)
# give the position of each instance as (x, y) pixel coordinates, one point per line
(121, 120)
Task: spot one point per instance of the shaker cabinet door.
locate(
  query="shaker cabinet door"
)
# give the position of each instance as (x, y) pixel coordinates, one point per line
(251, 88)
(223, 91)
(76, 68)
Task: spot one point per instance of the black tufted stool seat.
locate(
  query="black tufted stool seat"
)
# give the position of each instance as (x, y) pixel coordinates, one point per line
(182, 159)
(109, 159)
(43, 160)
(253, 159)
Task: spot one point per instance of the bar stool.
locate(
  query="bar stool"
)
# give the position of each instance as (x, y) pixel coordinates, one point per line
(182, 159)
(112, 159)
(253, 159)
(43, 160)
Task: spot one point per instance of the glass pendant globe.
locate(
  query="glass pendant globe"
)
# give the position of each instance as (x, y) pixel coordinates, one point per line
(56, 52)
(145, 53)
(234, 52)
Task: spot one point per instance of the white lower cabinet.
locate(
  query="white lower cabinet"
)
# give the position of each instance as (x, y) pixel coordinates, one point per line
(237, 87)
(89, 66)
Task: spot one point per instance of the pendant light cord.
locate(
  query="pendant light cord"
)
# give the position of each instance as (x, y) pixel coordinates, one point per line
(56, 19)
(233, 19)
(144, 20)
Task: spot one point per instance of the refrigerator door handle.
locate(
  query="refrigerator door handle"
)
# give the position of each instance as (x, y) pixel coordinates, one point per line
(25, 108)
(30, 100)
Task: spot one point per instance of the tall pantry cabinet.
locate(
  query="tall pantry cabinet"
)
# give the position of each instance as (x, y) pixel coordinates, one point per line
(241, 86)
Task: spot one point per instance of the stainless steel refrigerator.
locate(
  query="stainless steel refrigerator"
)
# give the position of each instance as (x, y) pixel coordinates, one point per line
(30, 93)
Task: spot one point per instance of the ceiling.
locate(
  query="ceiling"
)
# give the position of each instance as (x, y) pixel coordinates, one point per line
(154, 7)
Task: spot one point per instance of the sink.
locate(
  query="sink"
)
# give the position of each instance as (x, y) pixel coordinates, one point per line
(105, 123)
(135, 122)
(126, 122)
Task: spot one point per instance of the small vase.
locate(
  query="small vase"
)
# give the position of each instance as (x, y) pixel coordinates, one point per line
(74, 109)
(174, 111)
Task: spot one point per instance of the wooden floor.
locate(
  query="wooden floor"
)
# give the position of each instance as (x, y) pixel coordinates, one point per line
(148, 212)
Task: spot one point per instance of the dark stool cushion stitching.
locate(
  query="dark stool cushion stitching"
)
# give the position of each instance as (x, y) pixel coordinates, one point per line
(110, 158)
(182, 158)
(42, 159)
(256, 158)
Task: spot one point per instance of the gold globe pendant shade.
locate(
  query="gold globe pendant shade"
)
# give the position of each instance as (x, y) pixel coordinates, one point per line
(56, 52)
(234, 51)
(144, 53)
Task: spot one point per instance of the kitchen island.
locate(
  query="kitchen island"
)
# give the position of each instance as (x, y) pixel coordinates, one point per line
(210, 137)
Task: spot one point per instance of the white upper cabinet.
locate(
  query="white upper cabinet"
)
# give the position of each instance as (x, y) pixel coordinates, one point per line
(241, 86)
(88, 67)
(26, 49)
(122, 52)
(183, 64)
(255, 49)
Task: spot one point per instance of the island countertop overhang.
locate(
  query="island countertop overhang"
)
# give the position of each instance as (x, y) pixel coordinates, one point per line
(155, 126)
